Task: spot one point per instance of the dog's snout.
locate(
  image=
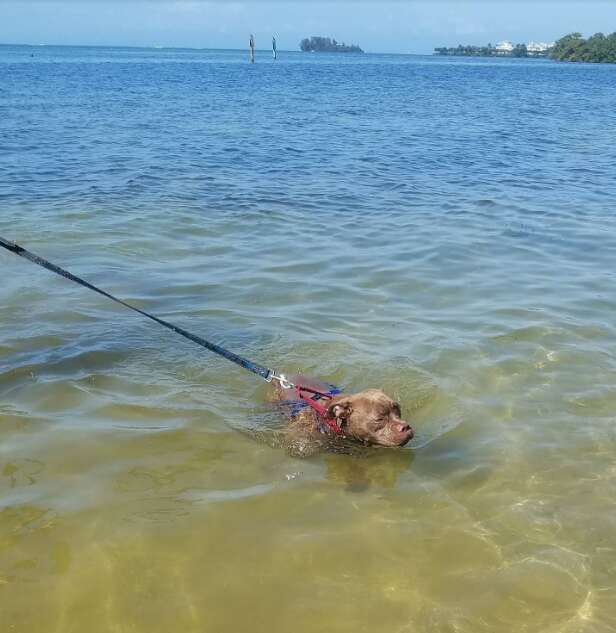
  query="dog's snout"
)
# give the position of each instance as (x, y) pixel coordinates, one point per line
(404, 428)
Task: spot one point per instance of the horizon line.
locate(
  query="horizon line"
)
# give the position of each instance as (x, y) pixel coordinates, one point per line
(193, 48)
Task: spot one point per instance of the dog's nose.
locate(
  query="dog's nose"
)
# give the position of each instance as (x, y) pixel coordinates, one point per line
(404, 428)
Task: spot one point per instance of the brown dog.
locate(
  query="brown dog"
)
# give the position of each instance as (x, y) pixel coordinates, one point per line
(369, 417)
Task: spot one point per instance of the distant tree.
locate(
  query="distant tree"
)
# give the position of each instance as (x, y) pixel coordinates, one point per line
(574, 48)
(567, 47)
(466, 51)
(326, 45)
(520, 50)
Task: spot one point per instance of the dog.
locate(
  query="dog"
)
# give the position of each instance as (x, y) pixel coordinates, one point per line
(370, 418)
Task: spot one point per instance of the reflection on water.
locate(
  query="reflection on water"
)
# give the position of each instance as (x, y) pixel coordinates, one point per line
(378, 469)
(377, 222)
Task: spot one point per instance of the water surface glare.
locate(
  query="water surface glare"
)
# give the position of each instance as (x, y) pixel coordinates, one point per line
(444, 229)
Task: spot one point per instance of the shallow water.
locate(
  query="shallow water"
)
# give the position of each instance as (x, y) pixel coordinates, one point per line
(442, 228)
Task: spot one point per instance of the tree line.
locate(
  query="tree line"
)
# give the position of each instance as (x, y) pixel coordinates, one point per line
(574, 48)
(327, 45)
(519, 50)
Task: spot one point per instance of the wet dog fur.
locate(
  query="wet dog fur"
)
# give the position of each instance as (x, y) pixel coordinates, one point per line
(369, 417)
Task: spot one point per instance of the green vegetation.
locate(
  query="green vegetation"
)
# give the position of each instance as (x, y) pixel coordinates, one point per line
(519, 50)
(574, 48)
(466, 51)
(327, 45)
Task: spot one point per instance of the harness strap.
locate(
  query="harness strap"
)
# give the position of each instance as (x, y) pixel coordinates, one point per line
(314, 403)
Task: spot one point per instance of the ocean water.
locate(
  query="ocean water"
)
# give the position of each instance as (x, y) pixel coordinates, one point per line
(442, 228)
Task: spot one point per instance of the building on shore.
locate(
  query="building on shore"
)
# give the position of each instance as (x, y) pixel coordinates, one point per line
(504, 48)
(538, 48)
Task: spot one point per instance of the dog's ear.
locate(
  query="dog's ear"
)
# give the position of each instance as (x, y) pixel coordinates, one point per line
(339, 410)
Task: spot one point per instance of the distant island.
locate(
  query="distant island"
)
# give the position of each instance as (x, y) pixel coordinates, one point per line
(599, 48)
(502, 49)
(327, 45)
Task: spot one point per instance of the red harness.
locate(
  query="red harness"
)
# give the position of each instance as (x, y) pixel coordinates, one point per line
(312, 397)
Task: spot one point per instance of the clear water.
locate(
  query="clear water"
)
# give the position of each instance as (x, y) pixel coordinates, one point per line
(443, 228)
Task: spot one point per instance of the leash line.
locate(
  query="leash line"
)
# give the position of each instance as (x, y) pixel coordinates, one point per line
(264, 372)
(267, 374)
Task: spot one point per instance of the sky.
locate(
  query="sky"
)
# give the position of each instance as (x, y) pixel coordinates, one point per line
(405, 26)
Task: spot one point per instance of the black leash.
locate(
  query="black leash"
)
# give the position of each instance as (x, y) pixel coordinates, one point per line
(264, 372)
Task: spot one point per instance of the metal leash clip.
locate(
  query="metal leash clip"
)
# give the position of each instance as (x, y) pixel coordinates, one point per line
(281, 378)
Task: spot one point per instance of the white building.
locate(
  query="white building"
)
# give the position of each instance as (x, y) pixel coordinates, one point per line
(538, 47)
(504, 47)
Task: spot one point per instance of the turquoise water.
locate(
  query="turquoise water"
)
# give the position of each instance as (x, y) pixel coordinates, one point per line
(442, 228)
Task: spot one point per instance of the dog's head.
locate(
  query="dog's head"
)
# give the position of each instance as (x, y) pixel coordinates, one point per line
(370, 417)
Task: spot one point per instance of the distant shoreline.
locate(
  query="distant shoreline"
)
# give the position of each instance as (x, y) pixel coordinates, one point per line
(598, 49)
(572, 48)
(531, 50)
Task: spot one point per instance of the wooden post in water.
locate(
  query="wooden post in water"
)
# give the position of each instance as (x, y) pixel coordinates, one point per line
(252, 49)
(274, 48)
